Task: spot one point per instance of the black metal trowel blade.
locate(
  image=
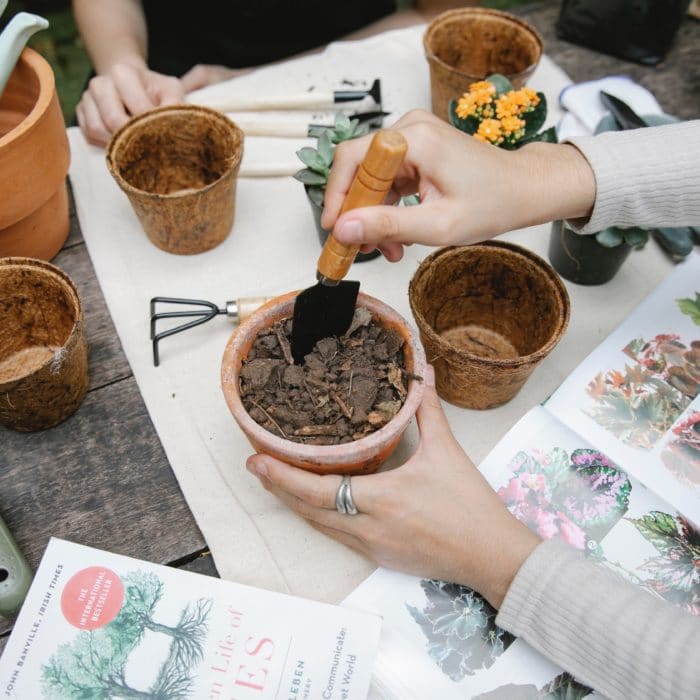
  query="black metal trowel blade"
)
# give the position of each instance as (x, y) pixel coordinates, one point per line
(322, 311)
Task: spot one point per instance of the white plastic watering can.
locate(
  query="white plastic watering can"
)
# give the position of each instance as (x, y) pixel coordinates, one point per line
(13, 39)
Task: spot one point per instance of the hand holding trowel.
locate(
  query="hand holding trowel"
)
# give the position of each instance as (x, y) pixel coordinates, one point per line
(327, 308)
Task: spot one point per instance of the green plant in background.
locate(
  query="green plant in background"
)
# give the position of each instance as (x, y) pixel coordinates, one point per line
(318, 161)
(493, 112)
(613, 237)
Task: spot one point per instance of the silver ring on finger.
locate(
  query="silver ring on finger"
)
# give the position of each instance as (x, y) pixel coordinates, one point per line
(343, 499)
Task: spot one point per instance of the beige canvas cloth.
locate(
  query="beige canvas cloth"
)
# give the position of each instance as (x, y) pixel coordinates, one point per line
(272, 249)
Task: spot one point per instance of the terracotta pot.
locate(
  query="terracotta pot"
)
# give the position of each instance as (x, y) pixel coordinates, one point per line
(488, 314)
(34, 160)
(359, 457)
(581, 259)
(43, 353)
(179, 167)
(466, 45)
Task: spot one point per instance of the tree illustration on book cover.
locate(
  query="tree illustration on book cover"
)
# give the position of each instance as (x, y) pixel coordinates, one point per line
(93, 665)
(563, 687)
(641, 403)
(461, 629)
(578, 497)
(675, 573)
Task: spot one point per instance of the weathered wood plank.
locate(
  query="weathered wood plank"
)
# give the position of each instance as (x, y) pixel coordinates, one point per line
(75, 235)
(107, 362)
(100, 478)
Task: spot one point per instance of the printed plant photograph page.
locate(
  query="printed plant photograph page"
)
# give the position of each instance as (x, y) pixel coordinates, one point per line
(96, 624)
(444, 637)
(637, 396)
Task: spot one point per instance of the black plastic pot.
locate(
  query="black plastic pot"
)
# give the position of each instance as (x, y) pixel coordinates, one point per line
(581, 259)
(323, 234)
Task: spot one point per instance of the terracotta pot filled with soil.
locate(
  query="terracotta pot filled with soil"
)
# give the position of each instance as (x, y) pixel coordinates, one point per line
(34, 160)
(43, 353)
(344, 410)
(179, 167)
(488, 314)
(466, 45)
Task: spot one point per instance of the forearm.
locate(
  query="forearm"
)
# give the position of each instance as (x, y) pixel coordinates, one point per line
(607, 633)
(114, 31)
(645, 177)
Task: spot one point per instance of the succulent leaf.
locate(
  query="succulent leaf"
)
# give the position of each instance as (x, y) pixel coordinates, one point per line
(501, 83)
(325, 148)
(311, 177)
(635, 237)
(610, 237)
(316, 194)
(678, 242)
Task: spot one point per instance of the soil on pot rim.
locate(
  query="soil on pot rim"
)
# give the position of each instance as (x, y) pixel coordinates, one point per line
(346, 389)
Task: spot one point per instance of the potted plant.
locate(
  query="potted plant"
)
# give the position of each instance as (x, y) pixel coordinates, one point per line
(318, 162)
(593, 259)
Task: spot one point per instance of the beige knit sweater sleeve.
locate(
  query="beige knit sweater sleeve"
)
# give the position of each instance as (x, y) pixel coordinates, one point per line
(606, 632)
(644, 177)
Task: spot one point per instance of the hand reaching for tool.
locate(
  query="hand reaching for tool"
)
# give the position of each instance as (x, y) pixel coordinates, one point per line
(469, 191)
(435, 516)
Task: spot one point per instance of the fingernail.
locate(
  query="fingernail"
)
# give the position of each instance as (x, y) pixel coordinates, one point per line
(349, 232)
(429, 376)
(257, 466)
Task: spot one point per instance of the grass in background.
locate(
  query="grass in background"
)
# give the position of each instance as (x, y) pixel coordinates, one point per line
(63, 48)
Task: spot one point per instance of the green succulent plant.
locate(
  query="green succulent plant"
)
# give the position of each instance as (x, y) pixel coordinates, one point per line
(318, 161)
(614, 236)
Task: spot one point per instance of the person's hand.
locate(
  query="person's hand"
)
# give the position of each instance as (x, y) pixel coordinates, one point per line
(469, 190)
(126, 90)
(435, 516)
(204, 74)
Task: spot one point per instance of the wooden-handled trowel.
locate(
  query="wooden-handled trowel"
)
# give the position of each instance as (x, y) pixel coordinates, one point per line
(326, 309)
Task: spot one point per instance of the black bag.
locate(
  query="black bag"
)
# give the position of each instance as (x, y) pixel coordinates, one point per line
(636, 30)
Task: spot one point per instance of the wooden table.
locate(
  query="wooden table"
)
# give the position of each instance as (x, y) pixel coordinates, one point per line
(102, 479)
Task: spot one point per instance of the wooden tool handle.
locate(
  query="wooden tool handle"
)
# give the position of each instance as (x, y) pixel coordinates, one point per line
(247, 305)
(372, 181)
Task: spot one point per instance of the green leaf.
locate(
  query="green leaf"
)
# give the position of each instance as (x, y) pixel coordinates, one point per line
(691, 308)
(468, 125)
(610, 237)
(316, 194)
(536, 118)
(678, 242)
(325, 148)
(308, 156)
(546, 136)
(660, 529)
(635, 237)
(501, 83)
(311, 177)
(410, 200)
(342, 123)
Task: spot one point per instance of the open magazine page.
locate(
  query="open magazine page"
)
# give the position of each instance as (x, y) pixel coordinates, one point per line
(636, 396)
(440, 640)
(100, 625)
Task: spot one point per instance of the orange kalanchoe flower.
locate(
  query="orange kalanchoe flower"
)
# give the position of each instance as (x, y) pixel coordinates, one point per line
(513, 126)
(490, 130)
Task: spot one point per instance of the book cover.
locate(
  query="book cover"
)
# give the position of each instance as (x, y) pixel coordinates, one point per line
(101, 625)
(611, 464)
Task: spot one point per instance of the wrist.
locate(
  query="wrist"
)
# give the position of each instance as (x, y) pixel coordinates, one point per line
(558, 182)
(515, 546)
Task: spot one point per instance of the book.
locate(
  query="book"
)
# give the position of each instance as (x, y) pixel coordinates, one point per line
(611, 464)
(101, 625)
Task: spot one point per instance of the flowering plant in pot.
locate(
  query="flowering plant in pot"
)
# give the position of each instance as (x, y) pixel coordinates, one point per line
(318, 162)
(493, 112)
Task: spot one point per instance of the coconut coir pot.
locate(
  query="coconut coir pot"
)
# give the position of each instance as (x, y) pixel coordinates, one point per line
(43, 353)
(358, 457)
(466, 45)
(488, 314)
(179, 167)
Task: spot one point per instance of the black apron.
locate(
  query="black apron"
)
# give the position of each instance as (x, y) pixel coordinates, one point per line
(242, 33)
